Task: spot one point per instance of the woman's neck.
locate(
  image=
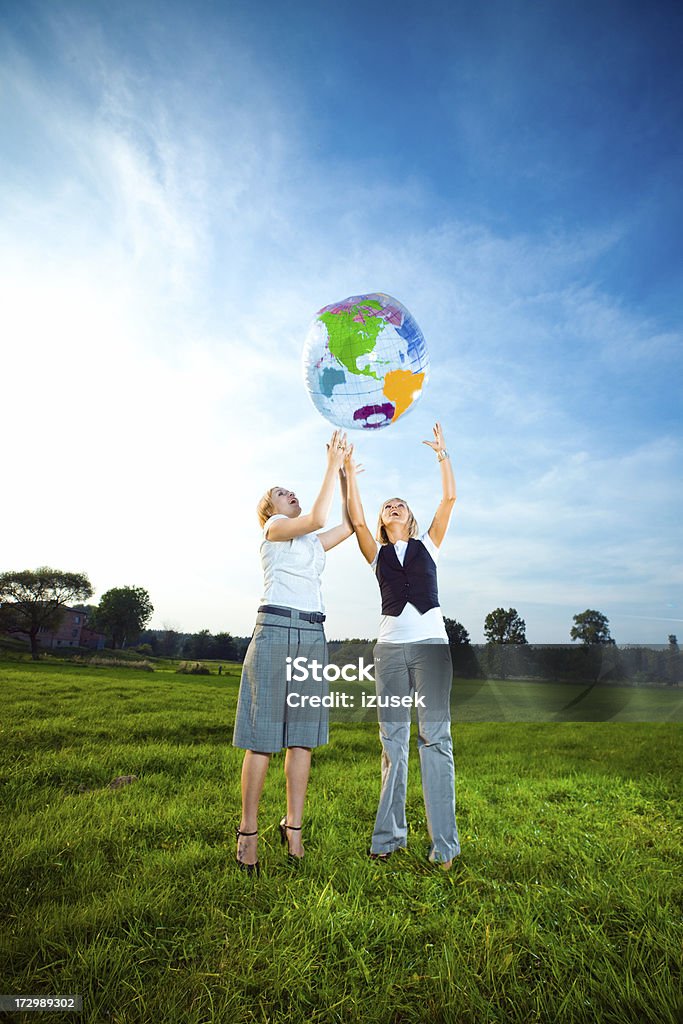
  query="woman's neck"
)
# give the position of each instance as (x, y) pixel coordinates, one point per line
(395, 533)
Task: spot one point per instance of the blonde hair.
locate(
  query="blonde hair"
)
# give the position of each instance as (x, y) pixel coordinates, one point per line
(381, 534)
(265, 507)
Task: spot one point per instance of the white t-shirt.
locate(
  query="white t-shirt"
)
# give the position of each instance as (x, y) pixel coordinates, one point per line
(410, 626)
(292, 570)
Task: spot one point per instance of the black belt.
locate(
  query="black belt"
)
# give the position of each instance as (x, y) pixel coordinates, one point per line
(275, 609)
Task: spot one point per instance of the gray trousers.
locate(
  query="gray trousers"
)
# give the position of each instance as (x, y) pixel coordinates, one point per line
(422, 670)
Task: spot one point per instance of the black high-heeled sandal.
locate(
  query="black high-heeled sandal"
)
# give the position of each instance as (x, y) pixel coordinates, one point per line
(251, 869)
(285, 841)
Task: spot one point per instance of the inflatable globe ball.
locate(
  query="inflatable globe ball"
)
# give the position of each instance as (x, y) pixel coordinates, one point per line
(365, 362)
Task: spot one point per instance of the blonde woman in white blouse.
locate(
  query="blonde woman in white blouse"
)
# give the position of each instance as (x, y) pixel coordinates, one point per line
(289, 623)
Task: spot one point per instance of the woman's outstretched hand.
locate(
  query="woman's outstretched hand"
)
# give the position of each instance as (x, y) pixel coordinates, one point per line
(350, 464)
(438, 444)
(336, 450)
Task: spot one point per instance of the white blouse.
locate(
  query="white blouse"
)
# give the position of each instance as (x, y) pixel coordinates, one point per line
(292, 570)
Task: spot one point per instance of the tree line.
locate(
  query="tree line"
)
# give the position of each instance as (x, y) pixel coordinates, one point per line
(204, 645)
(35, 600)
(507, 653)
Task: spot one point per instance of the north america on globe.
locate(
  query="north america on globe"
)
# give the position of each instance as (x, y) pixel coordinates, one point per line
(365, 361)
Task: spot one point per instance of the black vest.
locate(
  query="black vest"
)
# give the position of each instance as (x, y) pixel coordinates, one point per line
(413, 582)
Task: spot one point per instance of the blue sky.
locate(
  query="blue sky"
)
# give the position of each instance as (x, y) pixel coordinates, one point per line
(183, 186)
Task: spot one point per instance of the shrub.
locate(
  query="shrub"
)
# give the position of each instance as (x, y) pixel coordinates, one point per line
(146, 666)
(190, 668)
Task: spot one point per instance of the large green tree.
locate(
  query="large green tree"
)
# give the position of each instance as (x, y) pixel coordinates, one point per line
(591, 627)
(35, 599)
(504, 627)
(123, 612)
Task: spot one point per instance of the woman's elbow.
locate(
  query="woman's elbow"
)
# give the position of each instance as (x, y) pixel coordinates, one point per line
(317, 522)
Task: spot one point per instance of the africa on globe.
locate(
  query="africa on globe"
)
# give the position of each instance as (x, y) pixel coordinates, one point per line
(365, 361)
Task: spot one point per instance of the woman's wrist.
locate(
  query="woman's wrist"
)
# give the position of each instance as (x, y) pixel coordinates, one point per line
(442, 454)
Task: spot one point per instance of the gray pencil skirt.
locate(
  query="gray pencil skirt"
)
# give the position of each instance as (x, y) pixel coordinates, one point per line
(266, 720)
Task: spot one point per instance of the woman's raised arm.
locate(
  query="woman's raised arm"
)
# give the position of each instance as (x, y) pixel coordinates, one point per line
(366, 542)
(442, 516)
(286, 529)
(336, 534)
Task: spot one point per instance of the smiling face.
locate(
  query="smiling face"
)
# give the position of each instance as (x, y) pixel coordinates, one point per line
(285, 502)
(395, 510)
(396, 522)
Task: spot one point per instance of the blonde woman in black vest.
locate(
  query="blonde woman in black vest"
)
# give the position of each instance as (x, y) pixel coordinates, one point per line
(412, 659)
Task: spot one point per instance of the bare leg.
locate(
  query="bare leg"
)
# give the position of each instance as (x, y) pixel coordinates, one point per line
(297, 770)
(254, 768)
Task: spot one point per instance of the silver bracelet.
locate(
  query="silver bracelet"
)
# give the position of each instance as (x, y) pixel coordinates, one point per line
(443, 454)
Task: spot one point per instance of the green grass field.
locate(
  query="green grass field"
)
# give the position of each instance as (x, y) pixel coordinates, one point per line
(564, 906)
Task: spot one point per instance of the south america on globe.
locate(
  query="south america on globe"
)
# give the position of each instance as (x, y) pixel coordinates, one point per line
(365, 361)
